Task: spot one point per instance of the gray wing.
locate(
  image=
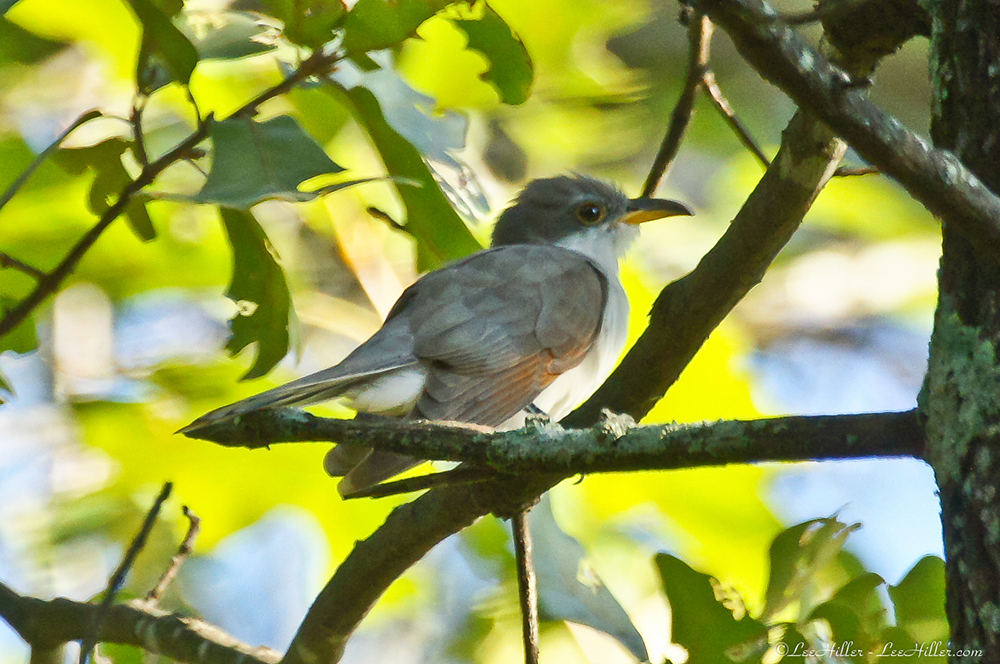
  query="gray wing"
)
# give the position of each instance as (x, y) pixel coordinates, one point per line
(491, 349)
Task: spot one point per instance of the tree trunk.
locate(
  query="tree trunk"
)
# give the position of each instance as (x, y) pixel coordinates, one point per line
(961, 395)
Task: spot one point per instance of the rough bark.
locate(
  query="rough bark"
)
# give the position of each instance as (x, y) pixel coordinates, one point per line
(961, 396)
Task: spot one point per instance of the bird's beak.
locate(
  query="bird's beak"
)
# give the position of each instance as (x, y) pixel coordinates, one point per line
(641, 210)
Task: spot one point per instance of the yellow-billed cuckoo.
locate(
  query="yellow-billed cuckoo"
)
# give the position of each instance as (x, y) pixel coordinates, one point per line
(539, 318)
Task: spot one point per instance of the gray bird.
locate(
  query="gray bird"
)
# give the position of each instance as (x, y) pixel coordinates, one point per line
(538, 319)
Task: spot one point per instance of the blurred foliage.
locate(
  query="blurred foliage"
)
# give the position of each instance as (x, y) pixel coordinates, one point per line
(516, 88)
(811, 615)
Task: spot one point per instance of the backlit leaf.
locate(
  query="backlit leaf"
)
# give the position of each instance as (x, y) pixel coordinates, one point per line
(258, 287)
(22, 339)
(254, 161)
(228, 35)
(919, 600)
(510, 65)
(568, 589)
(440, 233)
(797, 554)
(376, 24)
(165, 54)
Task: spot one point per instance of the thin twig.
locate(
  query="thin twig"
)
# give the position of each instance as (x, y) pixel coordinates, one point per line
(699, 39)
(135, 120)
(527, 586)
(935, 177)
(53, 279)
(183, 551)
(721, 104)
(381, 215)
(118, 578)
(6, 260)
(33, 166)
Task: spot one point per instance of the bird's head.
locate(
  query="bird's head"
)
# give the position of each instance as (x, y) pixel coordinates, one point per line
(579, 213)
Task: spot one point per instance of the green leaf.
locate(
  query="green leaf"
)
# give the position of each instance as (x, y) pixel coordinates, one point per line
(5, 5)
(707, 628)
(440, 233)
(376, 24)
(312, 21)
(105, 159)
(844, 624)
(254, 161)
(919, 601)
(569, 589)
(258, 287)
(510, 69)
(861, 596)
(228, 35)
(796, 555)
(20, 45)
(22, 339)
(165, 54)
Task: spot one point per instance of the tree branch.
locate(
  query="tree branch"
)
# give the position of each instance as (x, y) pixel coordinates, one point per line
(699, 43)
(934, 177)
(45, 625)
(613, 445)
(117, 579)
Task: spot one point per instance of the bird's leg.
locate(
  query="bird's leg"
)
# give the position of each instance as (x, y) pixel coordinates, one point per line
(536, 416)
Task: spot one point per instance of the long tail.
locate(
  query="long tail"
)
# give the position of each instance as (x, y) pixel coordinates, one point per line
(316, 387)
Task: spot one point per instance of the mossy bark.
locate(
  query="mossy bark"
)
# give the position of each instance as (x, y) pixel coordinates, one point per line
(961, 396)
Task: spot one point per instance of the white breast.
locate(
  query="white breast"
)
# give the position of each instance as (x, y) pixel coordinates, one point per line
(571, 388)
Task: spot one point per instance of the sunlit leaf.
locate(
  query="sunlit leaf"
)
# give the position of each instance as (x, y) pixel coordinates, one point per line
(165, 54)
(440, 233)
(568, 589)
(22, 339)
(710, 631)
(258, 287)
(254, 161)
(919, 600)
(797, 554)
(377, 24)
(105, 159)
(228, 35)
(510, 65)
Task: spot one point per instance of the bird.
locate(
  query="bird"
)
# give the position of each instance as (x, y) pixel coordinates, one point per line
(536, 322)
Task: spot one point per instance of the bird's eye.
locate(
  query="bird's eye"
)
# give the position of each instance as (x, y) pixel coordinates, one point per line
(591, 213)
